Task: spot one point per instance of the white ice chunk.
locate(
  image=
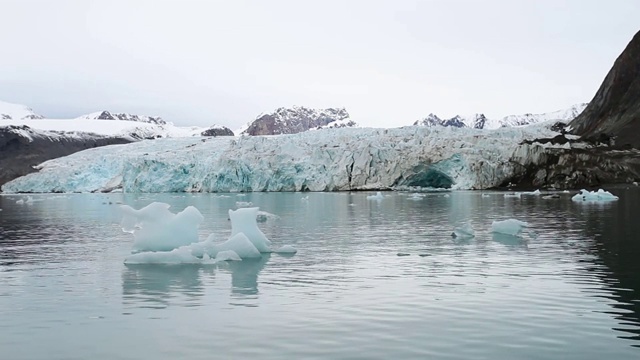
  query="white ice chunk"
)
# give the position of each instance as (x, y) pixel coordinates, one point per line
(244, 204)
(514, 195)
(446, 195)
(463, 232)
(244, 221)
(511, 227)
(534, 193)
(377, 196)
(157, 229)
(180, 255)
(485, 195)
(286, 249)
(593, 196)
(228, 255)
(241, 245)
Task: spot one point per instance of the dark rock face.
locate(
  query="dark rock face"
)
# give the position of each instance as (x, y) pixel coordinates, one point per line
(615, 109)
(21, 148)
(217, 131)
(294, 120)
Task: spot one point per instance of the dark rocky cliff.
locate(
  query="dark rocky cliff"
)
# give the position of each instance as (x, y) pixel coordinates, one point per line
(614, 111)
(21, 148)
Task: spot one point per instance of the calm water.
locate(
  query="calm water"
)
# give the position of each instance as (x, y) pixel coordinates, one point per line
(572, 292)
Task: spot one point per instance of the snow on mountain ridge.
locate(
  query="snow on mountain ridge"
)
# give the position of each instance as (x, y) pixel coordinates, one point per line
(10, 111)
(106, 115)
(480, 121)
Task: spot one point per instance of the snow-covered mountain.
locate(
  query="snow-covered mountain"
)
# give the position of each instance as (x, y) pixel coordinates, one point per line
(134, 127)
(479, 121)
(106, 115)
(341, 159)
(9, 111)
(296, 120)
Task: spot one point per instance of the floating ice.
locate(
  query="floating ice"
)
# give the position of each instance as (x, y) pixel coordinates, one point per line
(181, 255)
(446, 195)
(463, 232)
(485, 195)
(244, 204)
(227, 255)
(241, 245)
(157, 229)
(552, 196)
(534, 193)
(514, 195)
(403, 254)
(29, 200)
(566, 191)
(635, 183)
(416, 196)
(593, 196)
(377, 196)
(305, 198)
(511, 227)
(264, 216)
(286, 249)
(244, 221)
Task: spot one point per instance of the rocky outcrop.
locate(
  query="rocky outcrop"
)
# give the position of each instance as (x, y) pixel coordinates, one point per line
(614, 111)
(21, 148)
(217, 130)
(295, 120)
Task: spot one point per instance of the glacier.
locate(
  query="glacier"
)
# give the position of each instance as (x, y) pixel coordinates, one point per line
(322, 160)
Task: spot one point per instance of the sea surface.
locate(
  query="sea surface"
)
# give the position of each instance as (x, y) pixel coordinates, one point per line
(371, 280)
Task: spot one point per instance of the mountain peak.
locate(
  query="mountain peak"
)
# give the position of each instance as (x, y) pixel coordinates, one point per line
(106, 115)
(297, 119)
(10, 111)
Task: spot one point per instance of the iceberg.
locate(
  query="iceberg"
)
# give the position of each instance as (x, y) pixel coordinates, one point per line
(510, 227)
(155, 228)
(243, 221)
(162, 237)
(331, 160)
(594, 196)
(286, 249)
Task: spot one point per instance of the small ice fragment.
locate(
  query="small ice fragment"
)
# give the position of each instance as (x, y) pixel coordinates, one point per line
(446, 195)
(594, 196)
(20, 202)
(464, 232)
(227, 255)
(485, 195)
(511, 227)
(552, 196)
(243, 204)
(423, 255)
(514, 195)
(566, 191)
(635, 183)
(240, 195)
(403, 254)
(286, 249)
(377, 196)
(264, 216)
(535, 193)
(305, 198)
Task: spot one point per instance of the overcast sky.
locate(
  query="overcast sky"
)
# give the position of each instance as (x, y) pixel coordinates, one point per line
(388, 62)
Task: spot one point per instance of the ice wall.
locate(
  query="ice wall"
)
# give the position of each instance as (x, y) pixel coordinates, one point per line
(324, 160)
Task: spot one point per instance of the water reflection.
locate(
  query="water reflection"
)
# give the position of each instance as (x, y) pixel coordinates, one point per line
(244, 277)
(616, 233)
(155, 286)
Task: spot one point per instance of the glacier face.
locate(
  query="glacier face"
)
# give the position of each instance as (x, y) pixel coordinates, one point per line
(322, 160)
